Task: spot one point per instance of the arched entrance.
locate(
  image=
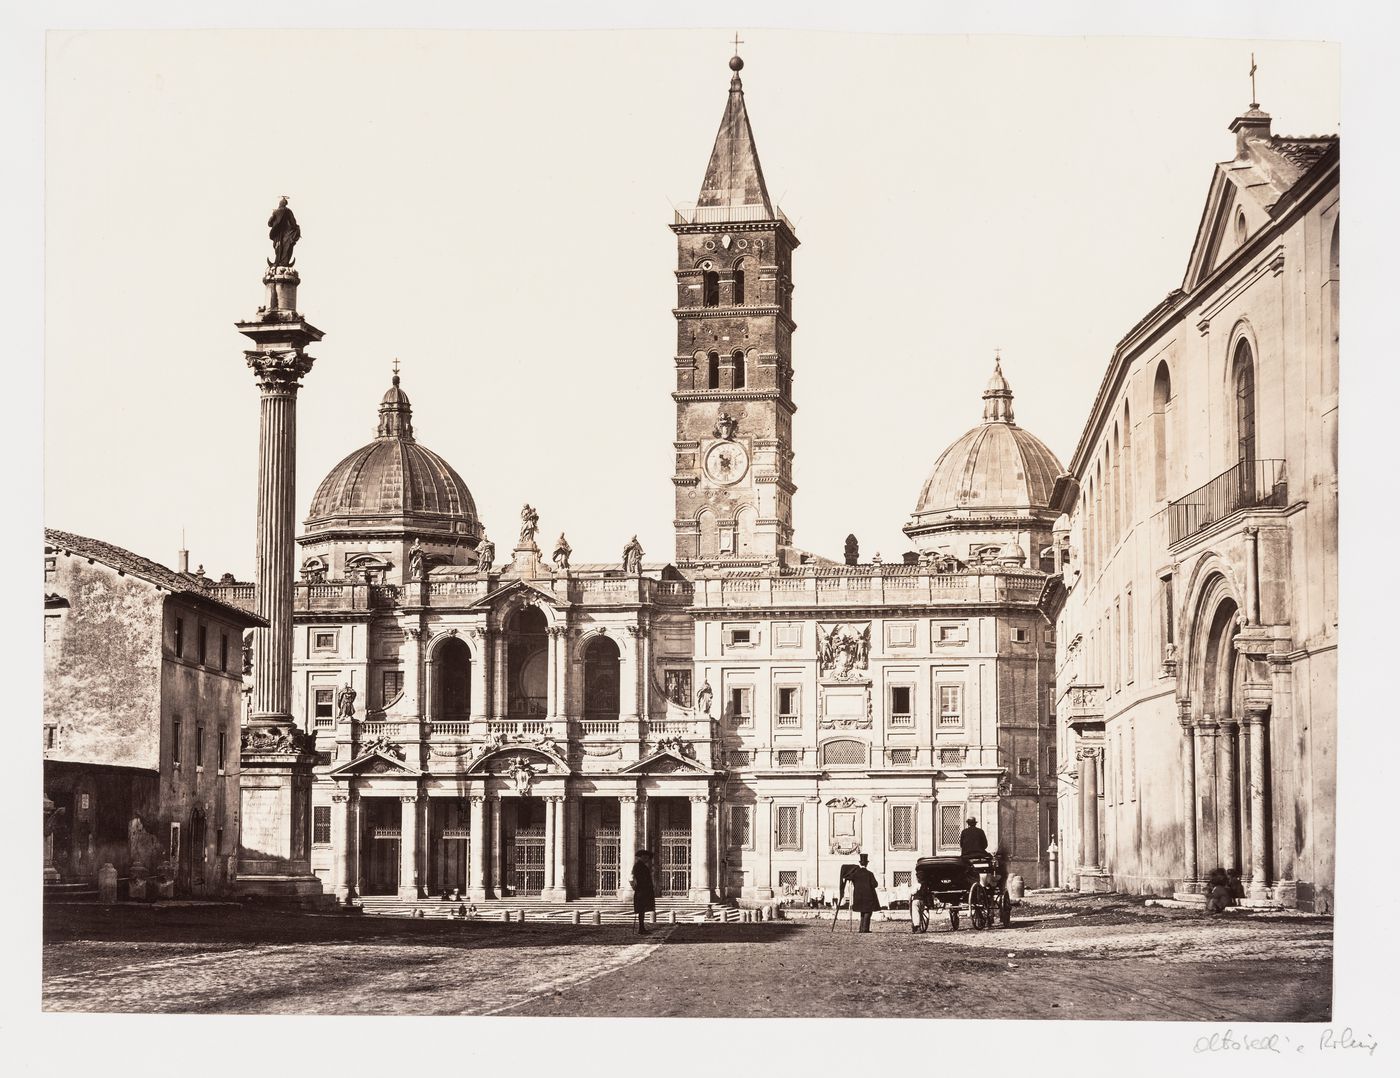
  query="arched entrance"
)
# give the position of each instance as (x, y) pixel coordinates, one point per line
(452, 681)
(527, 663)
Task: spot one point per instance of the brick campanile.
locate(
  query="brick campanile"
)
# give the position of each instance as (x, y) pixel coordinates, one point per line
(734, 408)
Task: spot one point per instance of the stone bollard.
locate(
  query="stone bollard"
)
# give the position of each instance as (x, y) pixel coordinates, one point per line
(522, 917)
(136, 887)
(505, 916)
(1053, 854)
(597, 917)
(107, 883)
(1016, 888)
(577, 917)
(670, 917)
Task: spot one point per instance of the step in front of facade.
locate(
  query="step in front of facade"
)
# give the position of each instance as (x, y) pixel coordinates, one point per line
(589, 911)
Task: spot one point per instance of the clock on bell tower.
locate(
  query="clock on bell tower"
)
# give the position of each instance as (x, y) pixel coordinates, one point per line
(734, 326)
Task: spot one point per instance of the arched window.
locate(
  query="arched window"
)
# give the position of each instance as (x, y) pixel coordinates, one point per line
(713, 380)
(744, 528)
(709, 534)
(1161, 448)
(1125, 462)
(739, 283)
(602, 698)
(527, 662)
(1244, 401)
(1088, 537)
(711, 289)
(741, 374)
(452, 680)
(1115, 493)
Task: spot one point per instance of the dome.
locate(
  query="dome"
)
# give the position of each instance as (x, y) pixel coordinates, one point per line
(994, 469)
(394, 483)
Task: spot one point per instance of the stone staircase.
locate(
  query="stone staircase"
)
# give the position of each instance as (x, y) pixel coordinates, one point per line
(587, 911)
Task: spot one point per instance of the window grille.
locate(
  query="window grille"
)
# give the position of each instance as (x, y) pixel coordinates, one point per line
(846, 753)
(787, 878)
(739, 757)
(950, 819)
(529, 860)
(393, 685)
(952, 757)
(950, 705)
(321, 825)
(741, 826)
(901, 757)
(674, 862)
(1025, 767)
(789, 757)
(902, 878)
(901, 827)
(789, 827)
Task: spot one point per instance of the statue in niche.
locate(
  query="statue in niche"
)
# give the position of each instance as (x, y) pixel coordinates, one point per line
(632, 557)
(283, 231)
(562, 550)
(345, 702)
(703, 699)
(529, 525)
(485, 555)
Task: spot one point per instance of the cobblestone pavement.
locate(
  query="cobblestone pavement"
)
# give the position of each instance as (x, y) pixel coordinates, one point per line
(1102, 957)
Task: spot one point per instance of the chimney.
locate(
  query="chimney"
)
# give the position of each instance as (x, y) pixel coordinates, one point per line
(184, 561)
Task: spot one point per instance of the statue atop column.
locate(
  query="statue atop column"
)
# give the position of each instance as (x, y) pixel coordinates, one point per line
(529, 525)
(283, 231)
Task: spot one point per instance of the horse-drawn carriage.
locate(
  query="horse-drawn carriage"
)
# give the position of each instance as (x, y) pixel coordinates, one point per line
(977, 884)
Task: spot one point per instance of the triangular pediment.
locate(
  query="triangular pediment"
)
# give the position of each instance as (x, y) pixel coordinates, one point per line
(516, 591)
(665, 762)
(378, 762)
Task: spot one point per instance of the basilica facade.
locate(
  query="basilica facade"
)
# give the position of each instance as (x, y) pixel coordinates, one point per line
(506, 723)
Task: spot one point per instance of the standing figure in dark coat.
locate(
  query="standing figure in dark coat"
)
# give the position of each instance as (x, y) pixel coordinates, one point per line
(973, 839)
(643, 890)
(284, 233)
(864, 898)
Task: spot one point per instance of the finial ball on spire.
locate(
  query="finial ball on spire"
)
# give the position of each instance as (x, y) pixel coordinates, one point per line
(736, 63)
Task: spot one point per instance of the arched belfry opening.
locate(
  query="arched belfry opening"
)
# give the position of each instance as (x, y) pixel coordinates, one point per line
(527, 663)
(602, 662)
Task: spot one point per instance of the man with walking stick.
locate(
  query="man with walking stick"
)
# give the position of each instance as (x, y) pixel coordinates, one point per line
(864, 897)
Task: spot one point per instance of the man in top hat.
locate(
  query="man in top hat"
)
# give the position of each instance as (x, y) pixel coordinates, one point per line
(864, 899)
(973, 839)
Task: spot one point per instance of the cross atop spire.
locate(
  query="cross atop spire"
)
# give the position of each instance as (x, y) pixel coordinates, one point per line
(1253, 93)
(396, 370)
(737, 43)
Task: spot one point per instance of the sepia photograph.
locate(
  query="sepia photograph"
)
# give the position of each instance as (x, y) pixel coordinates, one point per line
(590, 521)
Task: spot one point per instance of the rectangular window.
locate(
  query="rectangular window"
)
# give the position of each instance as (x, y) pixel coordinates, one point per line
(218, 840)
(1025, 767)
(223, 651)
(902, 878)
(393, 686)
(950, 819)
(1019, 636)
(323, 639)
(179, 638)
(223, 746)
(787, 707)
(789, 827)
(321, 825)
(1132, 760)
(901, 705)
(740, 637)
(201, 636)
(902, 827)
(175, 843)
(950, 705)
(324, 705)
(1128, 636)
(741, 706)
(789, 757)
(741, 827)
(199, 745)
(175, 741)
(787, 878)
(50, 737)
(950, 634)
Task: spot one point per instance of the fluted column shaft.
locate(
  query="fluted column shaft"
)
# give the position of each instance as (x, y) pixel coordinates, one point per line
(408, 847)
(272, 647)
(700, 847)
(627, 839)
(476, 885)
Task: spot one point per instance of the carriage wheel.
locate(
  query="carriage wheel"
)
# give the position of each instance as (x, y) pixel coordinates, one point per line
(953, 917)
(923, 918)
(977, 901)
(1004, 907)
(918, 915)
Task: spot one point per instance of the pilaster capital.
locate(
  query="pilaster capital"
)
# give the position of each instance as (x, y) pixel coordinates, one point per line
(340, 799)
(556, 631)
(477, 799)
(634, 631)
(765, 799)
(414, 634)
(408, 799)
(1256, 716)
(1250, 531)
(1088, 752)
(627, 799)
(878, 798)
(700, 799)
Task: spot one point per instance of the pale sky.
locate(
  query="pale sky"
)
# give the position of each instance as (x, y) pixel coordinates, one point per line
(492, 209)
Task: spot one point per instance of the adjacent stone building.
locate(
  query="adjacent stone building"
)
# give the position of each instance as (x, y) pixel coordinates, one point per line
(143, 672)
(1196, 659)
(755, 714)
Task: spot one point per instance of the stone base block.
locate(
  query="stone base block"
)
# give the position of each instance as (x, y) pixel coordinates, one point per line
(700, 894)
(269, 886)
(1095, 883)
(1191, 898)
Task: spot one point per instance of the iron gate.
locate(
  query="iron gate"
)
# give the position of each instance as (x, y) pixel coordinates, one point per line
(674, 869)
(529, 860)
(603, 862)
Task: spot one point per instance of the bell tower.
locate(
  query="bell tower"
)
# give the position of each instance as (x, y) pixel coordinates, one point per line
(734, 326)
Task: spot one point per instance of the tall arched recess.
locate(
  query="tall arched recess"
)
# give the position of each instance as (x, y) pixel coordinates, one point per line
(1161, 429)
(452, 680)
(602, 698)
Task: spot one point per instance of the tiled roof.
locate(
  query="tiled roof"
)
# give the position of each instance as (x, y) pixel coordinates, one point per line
(734, 176)
(1303, 150)
(125, 561)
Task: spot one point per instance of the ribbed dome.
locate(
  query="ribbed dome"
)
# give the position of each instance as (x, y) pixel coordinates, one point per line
(995, 466)
(394, 482)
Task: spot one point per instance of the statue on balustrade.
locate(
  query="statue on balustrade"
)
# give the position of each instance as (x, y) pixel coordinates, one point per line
(562, 550)
(485, 555)
(632, 557)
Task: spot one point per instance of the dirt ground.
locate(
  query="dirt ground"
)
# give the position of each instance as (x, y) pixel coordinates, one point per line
(1096, 957)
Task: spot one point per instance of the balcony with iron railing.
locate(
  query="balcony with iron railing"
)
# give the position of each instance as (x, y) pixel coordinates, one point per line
(1250, 484)
(717, 215)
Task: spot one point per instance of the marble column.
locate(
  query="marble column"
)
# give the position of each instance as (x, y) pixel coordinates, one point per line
(1258, 806)
(1089, 805)
(572, 811)
(629, 676)
(1242, 770)
(479, 640)
(340, 835)
(476, 885)
(561, 674)
(551, 836)
(1228, 824)
(763, 847)
(551, 677)
(557, 844)
(1207, 795)
(701, 888)
(498, 675)
(627, 840)
(1190, 870)
(1251, 574)
(498, 853)
(644, 639)
(413, 695)
(408, 846)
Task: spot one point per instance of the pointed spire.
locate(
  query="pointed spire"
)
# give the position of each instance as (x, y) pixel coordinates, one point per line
(998, 397)
(395, 412)
(734, 176)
